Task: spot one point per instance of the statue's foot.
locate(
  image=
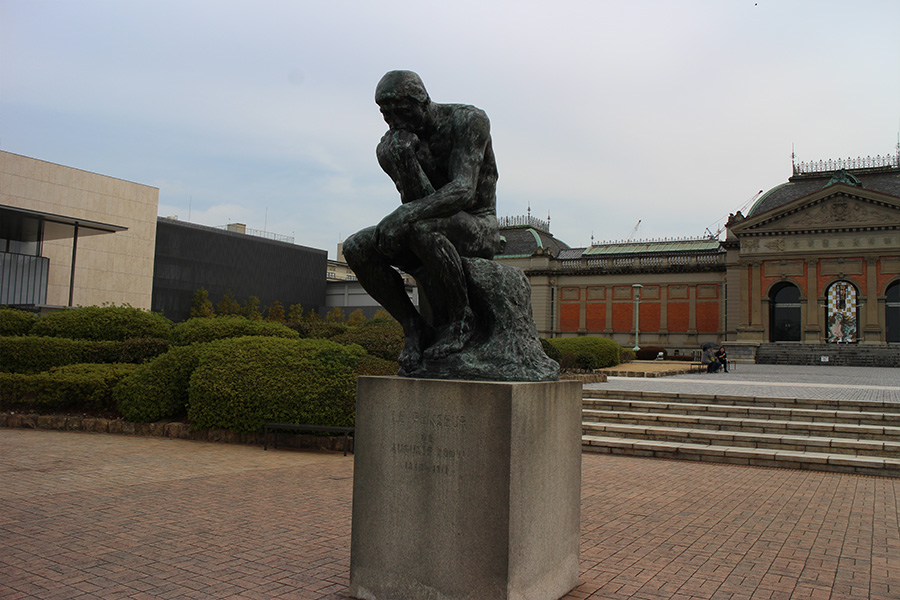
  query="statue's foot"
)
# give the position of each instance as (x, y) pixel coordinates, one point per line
(410, 357)
(453, 338)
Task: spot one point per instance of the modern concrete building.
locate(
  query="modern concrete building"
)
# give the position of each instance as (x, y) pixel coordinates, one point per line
(70, 237)
(234, 259)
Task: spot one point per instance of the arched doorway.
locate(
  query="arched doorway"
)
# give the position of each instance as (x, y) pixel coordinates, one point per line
(784, 313)
(840, 313)
(892, 313)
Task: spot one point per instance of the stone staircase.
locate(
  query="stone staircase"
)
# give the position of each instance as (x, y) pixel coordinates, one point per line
(825, 435)
(835, 355)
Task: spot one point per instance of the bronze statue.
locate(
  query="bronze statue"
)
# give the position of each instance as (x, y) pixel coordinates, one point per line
(441, 160)
(475, 321)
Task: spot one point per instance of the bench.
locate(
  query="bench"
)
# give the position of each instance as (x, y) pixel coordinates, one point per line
(276, 427)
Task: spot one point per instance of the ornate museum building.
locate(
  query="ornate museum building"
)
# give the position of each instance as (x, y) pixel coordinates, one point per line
(813, 269)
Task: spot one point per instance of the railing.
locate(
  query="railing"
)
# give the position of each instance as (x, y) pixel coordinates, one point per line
(23, 279)
(260, 233)
(868, 162)
(642, 262)
(524, 221)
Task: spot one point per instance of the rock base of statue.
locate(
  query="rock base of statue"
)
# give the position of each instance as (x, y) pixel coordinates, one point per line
(505, 345)
(465, 490)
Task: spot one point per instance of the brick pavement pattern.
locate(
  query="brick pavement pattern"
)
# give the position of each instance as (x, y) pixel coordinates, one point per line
(121, 517)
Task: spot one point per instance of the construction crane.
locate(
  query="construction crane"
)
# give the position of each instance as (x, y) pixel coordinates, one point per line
(633, 231)
(715, 235)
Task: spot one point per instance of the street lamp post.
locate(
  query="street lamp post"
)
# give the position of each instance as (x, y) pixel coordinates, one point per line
(637, 305)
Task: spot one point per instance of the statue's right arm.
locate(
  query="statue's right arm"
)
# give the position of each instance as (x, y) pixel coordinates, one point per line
(397, 156)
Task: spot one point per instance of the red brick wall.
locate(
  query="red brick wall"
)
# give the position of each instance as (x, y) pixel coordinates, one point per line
(707, 317)
(569, 317)
(677, 317)
(623, 317)
(595, 317)
(650, 316)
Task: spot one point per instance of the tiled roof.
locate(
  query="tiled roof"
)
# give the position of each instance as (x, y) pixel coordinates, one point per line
(648, 246)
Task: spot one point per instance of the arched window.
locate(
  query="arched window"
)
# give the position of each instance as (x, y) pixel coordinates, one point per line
(892, 313)
(784, 313)
(840, 313)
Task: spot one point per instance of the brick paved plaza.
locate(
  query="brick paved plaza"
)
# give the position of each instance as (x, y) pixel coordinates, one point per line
(104, 516)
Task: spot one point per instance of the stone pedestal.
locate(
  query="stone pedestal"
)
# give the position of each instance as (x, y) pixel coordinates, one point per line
(465, 490)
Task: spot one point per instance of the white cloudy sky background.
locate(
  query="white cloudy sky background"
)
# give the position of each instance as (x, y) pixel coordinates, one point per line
(602, 113)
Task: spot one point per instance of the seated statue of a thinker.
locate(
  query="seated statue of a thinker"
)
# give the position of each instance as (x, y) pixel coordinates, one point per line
(441, 160)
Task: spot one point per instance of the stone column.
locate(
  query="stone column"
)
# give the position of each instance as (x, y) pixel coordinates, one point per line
(664, 312)
(872, 329)
(608, 332)
(812, 332)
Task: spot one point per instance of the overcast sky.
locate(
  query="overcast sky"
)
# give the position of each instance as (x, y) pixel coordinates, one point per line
(603, 112)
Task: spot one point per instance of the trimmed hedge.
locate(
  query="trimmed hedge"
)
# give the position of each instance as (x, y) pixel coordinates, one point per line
(33, 354)
(16, 322)
(158, 389)
(550, 350)
(317, 328)
(588, 353)
(241, 384)
(379, 337)
(103, 323)
(208, 329)
(82, 387)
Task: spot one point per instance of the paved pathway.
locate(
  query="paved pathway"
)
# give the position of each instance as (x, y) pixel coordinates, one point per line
(778, 381)
(95, 516)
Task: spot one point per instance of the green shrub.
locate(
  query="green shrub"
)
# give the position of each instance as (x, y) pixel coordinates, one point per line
(33, 354)
(550, 350)
(373, 365)
(140, 350)
(317, 328)
(626, 355)
(82, 387)
(15, 322)
(158, 389)
(103, 323)
(241, 384)
(216, 328)
(331, 352)
(382, 338)
(588, 353)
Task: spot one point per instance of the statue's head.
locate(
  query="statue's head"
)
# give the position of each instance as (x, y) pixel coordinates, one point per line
(403, 100)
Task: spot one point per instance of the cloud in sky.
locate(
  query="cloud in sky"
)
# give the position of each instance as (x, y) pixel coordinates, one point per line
(602, 113)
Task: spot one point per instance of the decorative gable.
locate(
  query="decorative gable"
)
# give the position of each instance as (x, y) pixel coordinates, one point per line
(840, 206)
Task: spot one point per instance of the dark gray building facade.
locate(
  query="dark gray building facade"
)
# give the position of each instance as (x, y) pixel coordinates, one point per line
(190, 256)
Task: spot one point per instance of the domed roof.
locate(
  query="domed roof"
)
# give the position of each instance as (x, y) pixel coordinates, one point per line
(885, 180)
(526, 236)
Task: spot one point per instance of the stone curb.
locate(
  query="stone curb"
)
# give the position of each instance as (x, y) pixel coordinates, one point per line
(175, 430)
(584, 377)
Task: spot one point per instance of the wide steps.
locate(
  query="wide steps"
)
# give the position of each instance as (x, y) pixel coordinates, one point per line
(743, 439)
(853, 436)
(773, 426)
(761, 457)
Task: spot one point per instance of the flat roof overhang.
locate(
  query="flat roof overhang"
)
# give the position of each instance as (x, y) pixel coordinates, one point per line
(73, 221)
